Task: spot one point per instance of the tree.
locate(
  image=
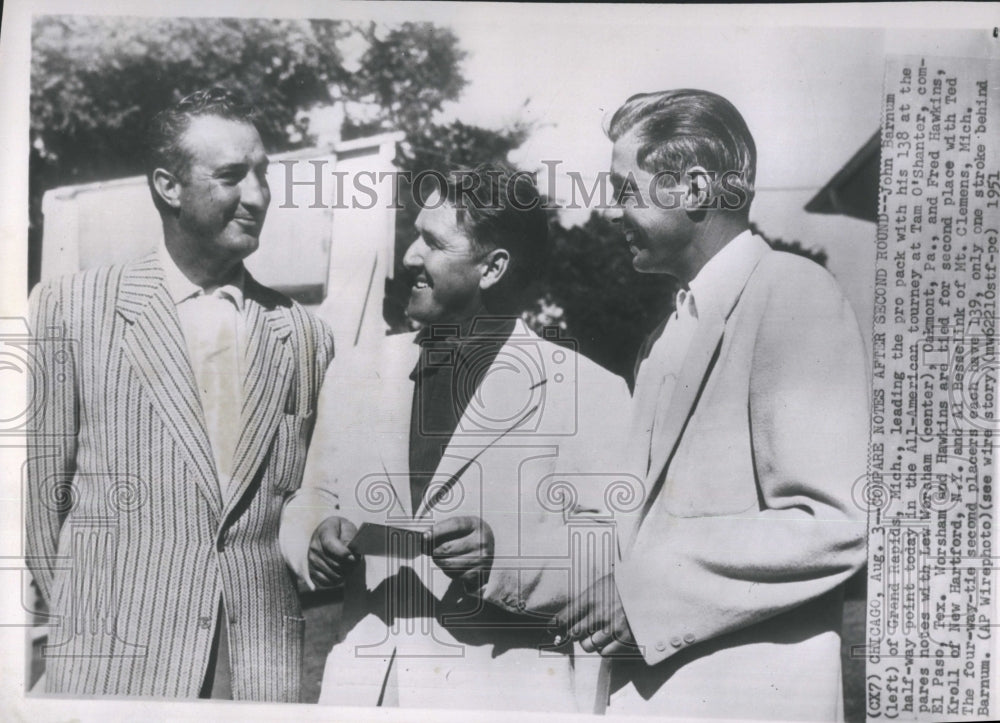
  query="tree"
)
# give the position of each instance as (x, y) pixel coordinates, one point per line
(600, 302)
(605, 306)
(405, 77)
(97, 81)
(815, 254)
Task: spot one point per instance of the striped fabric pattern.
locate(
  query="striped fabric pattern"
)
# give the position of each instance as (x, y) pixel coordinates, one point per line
(128, 536)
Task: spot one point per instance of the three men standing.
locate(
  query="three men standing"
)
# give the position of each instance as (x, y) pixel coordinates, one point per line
(449, 469)
(171, 435)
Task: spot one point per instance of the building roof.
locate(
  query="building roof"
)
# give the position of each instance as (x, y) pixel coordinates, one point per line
(853, 191)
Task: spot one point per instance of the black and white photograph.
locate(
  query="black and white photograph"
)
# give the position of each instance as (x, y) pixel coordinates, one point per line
(498, 359)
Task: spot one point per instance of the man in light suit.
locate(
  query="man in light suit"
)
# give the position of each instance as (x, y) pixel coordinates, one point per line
(750, 428)
(179, 396)
(485, 448)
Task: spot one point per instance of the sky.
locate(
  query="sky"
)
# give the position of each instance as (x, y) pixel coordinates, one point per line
(803, 90)
(807, 79)
(810, 91)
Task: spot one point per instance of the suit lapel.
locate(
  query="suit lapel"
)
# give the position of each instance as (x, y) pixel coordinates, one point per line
(464, 447)
(266, 379)
(692, 376)
(393, 422)
(685, 391)
(155, 347)
(647, 390)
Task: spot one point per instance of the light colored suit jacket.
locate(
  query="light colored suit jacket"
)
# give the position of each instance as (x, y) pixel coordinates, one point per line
(128, 535)
(730, 581)
(532, 456)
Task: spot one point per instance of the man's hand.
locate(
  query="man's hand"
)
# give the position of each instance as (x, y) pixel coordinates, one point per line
(330, 560)
(463, 548)
(597, 619)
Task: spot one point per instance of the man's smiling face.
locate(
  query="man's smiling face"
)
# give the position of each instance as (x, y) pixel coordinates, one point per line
(651, 211)
(223, 194)
(446, 267)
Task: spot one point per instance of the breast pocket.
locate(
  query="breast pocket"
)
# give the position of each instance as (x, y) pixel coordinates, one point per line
(288, 455)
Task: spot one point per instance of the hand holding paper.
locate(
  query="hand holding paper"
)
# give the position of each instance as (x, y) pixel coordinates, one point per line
(463, 548)
(330, 559)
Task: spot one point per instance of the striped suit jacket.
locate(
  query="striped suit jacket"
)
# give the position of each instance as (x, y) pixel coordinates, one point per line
(129, 537)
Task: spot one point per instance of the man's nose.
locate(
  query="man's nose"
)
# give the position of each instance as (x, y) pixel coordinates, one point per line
(254, 192)
(613, 212)
(414, 256)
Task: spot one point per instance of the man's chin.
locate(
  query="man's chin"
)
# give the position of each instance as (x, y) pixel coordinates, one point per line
(426, 316)
(416, 313)
(640, 262)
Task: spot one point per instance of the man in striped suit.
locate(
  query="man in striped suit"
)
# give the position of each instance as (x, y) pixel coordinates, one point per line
(178, 405)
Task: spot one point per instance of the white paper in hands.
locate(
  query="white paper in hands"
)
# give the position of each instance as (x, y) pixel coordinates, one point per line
(386, 541)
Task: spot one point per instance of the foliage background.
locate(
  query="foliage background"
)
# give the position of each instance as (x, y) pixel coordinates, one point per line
(96, 82)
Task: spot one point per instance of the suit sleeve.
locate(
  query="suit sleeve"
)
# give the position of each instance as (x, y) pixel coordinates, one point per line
(808, 414)
(326, 347)
(566, 525)
(52, 429)
(318, 497)
(331, 470)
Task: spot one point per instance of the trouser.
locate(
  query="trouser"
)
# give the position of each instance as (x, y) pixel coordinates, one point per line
(218, 678)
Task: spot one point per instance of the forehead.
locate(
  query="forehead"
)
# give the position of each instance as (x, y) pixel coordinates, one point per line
(624, 155)
(440, 219)
(214, 141)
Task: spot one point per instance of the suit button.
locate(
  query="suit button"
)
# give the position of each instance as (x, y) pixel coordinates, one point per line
(204, 623)
(689, 638)
(676, 642)
(661, 646)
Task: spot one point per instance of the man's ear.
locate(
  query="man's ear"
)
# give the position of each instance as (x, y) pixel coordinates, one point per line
(167, 187)
(495, 264)
(699, 188)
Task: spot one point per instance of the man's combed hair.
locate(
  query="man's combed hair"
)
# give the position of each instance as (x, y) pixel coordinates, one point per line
(679, 129)
(499, 206)
(164, 149)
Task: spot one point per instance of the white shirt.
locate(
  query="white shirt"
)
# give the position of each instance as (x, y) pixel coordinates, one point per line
(658, 373)
(213, 325)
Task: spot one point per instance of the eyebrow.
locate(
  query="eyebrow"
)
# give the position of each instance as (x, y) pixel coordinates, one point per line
(430, 236)
(231, 167)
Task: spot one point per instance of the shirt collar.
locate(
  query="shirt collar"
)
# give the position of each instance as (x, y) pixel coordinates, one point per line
(456, 342)
(181, 288)
(717, 279)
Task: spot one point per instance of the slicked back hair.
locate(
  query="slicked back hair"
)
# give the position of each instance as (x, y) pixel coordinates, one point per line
(163, 141)
(679, 129)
